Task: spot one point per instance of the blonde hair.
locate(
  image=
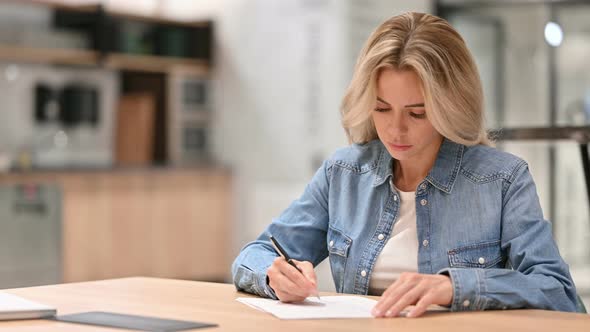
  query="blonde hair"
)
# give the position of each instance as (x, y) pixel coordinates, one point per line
(430, 47)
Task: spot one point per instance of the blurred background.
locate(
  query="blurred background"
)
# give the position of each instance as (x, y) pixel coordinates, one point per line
(157, 137)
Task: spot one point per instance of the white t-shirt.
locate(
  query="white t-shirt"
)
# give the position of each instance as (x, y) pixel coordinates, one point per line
(400, 253)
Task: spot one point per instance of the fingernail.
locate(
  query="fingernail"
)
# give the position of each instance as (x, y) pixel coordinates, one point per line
(376, 312)
(388, 313)
(410, 314)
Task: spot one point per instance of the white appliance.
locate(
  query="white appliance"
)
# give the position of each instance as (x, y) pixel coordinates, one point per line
(51, 144)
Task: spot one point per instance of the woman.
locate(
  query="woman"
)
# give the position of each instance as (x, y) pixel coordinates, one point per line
(419, 209)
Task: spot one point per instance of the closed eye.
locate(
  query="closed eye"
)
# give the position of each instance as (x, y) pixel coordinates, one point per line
(418, 115)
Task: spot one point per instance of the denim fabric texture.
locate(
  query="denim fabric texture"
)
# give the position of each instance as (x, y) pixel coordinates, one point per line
(478, 220)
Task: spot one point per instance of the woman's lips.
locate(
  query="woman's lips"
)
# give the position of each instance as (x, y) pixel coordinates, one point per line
(399, 147)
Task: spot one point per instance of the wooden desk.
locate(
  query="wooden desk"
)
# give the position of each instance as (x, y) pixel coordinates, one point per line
(215, 303)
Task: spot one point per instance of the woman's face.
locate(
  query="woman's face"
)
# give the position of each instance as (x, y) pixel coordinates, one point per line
(401, 118)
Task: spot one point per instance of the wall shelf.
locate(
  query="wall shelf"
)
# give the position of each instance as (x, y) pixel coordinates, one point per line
(118, 61)
(104, 29)
(48, 55)
(152, 63)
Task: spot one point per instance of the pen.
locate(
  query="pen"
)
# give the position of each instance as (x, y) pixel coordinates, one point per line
(284, 254)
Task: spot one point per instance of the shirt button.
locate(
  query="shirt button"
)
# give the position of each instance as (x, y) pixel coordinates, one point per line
(381, 236)
(395, 198)
(481, 260)
(423, 186)
(466, 303)
(331, 244)
(363, 273)
(425, 243)
(423, 202)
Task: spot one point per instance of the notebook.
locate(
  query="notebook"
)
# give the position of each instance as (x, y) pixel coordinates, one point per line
(15, 307)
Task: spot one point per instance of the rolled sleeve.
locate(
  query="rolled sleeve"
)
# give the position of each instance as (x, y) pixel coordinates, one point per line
(468, 287)
(265, 287)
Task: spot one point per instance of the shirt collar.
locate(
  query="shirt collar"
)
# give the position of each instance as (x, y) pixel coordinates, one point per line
(443, 173)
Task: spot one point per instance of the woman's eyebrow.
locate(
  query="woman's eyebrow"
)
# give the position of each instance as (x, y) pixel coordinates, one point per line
(407, 106)
(414, 105)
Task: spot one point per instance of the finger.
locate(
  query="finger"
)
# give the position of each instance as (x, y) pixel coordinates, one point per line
(399, 288)
(421, 306)
(384, 300)
(281, 282)
(286, 297)
(290, 295)
(409, 298)
(309, 273)
(404, 278)
(278, 282)
(307, 270)
(295, 276)
(392, 289)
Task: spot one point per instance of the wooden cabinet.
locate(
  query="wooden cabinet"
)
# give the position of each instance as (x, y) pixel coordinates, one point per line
(165, 223)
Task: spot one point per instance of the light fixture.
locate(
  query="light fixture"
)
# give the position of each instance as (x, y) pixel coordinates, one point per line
(553, 34)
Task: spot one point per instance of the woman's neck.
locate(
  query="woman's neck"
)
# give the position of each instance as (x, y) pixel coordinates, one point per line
(408, 174)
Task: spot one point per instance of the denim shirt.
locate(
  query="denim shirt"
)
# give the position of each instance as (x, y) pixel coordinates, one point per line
(478, 220)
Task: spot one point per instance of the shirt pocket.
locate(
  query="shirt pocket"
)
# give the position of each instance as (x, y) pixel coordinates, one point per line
(338, 247)
(483, 255)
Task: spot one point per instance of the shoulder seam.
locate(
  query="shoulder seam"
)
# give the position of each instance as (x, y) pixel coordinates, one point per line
(506, 174)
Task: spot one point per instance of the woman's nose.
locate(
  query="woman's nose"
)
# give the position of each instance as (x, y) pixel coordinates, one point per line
(397, 123)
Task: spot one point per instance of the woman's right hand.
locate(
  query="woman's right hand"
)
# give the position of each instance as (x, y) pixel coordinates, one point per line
(289, 284)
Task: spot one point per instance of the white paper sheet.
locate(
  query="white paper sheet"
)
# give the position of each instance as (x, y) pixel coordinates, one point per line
(312, 308)
(329, 307)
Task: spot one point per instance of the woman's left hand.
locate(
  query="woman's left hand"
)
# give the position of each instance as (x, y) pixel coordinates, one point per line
(417, 289)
